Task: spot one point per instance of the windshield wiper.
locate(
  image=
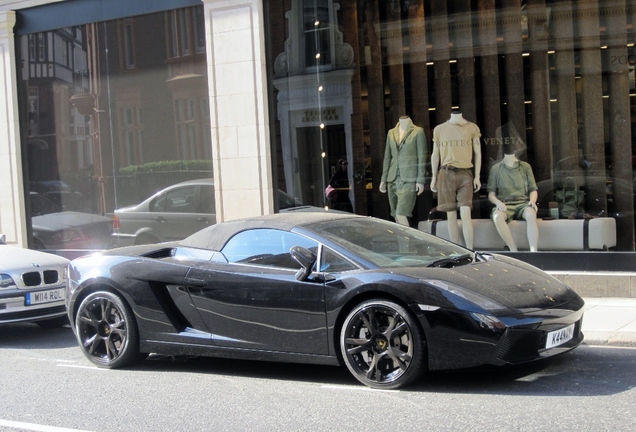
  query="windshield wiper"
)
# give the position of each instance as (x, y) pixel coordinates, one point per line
(448, 262)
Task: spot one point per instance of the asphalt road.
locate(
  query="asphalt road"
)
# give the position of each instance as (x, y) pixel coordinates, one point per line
(46, 384)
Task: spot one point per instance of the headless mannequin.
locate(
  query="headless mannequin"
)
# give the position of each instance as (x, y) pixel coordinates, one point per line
(464, 211)
(405, 123)
(457, 118)
(529, 214)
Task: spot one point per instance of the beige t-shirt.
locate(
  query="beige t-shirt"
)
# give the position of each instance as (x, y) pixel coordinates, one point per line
(455, 143)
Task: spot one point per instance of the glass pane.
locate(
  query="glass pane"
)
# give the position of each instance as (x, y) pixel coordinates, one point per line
(541, 84)
(125, 119)
(266, 247)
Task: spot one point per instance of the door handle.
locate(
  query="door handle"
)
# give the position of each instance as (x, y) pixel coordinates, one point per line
(160, 219)
(194, 282)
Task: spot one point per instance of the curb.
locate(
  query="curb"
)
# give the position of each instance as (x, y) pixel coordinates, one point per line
(617, 339)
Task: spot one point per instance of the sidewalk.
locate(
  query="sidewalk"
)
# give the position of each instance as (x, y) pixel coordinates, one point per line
(610, 321)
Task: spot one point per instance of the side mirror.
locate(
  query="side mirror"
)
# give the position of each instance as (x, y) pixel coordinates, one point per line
(306, 259)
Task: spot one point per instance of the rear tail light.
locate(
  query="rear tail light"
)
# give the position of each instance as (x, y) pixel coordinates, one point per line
(115, 222)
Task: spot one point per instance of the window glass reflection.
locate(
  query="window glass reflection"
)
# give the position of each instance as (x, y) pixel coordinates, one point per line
(116, 111)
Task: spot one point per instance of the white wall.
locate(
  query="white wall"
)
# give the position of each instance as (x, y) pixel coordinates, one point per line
(239, 117)
(12, 214)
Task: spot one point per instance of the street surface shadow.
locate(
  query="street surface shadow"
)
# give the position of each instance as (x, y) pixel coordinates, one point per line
(583, 372)
(332, 375)
(32, 336)
(598, 371)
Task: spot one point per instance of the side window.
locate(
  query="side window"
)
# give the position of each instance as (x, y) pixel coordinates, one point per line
(158, 204)
(180, 200)
(266, 247)
(206, 200)
(334, 263)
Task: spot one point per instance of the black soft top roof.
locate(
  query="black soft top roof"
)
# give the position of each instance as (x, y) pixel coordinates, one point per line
(215, 236)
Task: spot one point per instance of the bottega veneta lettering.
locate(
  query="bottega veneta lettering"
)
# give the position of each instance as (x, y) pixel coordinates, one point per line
(455, 143)
(503, 140)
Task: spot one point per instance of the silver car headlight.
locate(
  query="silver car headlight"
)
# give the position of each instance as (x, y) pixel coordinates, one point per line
(6, 281)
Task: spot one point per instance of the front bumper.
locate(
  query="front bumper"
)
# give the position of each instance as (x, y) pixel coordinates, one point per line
(456, 339)
(527, 343)
(13, 308)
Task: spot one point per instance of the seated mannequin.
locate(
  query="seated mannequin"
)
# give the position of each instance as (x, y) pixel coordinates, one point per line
(513, 191)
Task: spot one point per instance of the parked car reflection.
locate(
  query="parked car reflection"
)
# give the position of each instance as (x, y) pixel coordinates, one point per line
(61, 194)
(178, 211)
(54, 228)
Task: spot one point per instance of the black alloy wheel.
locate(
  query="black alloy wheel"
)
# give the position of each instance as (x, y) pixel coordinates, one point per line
(107, 331)
(382, 345)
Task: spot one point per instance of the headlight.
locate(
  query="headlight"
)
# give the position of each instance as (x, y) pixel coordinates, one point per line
(466, 294)
(489, 321)
(6, 281)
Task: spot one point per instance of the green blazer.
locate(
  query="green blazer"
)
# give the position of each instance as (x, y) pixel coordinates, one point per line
(407, 156)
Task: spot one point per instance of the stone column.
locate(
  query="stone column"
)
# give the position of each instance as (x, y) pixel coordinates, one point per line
(239, 117)
(12, 205)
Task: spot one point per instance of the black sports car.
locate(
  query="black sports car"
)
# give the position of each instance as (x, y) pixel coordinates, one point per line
(389, 302)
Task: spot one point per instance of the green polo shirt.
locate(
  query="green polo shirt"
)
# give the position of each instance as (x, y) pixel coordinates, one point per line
(511, 184)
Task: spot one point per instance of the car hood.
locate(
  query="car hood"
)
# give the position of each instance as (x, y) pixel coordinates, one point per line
(510, 282)
(67, 219)
(19, 259)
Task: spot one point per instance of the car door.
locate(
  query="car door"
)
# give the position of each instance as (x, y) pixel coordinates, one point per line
(255, 301)
(177, 213)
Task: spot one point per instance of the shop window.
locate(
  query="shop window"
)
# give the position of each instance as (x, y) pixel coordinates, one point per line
(100, 138)
(553, 81)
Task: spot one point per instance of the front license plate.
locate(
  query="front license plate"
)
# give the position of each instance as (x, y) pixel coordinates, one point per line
(49, 296)
(559, 337)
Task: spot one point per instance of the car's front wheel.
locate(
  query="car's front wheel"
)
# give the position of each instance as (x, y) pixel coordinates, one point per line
(382, 345)
(107, 331)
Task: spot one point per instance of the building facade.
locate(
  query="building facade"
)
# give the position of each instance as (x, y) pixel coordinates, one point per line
(119, 99)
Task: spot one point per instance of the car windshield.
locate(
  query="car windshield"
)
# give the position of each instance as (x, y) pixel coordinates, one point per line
(387, 244)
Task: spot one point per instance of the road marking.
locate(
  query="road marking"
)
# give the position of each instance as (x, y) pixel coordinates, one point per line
(355, 388)
(36, 427)
(81, 367)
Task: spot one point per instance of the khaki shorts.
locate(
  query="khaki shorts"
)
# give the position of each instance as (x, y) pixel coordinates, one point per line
(454, 189)
(402, 196)
(514, 210)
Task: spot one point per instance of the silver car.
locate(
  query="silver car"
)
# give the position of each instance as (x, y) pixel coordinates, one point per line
(171, 214)
(178, 211)
(32, 286)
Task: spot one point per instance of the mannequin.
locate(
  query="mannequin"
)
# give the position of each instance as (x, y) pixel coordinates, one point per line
(403, 168)
(513, 191)
(456, 166)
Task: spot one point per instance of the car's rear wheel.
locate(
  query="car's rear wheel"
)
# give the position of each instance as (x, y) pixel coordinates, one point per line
(107, 331)
(382, 345)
